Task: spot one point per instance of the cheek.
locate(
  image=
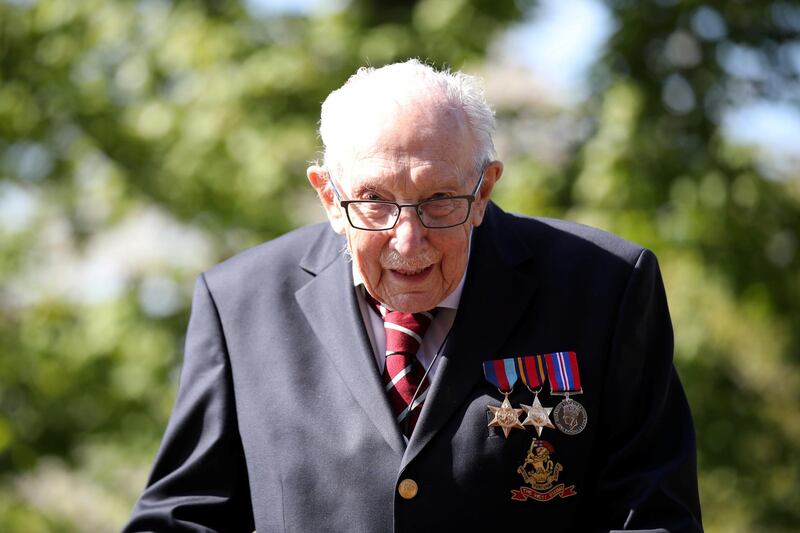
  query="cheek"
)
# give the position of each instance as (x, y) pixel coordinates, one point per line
(365, 248)
(454, 256)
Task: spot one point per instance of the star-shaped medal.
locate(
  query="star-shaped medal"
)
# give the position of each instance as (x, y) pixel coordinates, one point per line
(505, 417)
(538, 416)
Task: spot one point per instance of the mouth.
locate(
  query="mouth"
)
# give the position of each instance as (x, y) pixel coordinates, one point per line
(412, 275)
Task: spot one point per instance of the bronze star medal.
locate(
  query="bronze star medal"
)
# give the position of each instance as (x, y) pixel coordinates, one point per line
(505, 417)
(538, 416)
(502, 373)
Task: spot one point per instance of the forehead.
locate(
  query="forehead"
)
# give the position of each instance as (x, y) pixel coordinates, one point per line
(381, 169)
(416, 145)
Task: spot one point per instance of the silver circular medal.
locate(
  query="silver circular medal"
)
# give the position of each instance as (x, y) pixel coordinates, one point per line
(569, 416)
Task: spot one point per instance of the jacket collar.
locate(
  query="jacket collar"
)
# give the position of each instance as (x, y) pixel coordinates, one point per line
(330, 305)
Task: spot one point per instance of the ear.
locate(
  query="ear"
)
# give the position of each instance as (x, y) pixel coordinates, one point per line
(319, 178)
(491, 174)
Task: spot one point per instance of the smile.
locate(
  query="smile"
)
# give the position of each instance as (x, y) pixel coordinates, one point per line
(412, 275)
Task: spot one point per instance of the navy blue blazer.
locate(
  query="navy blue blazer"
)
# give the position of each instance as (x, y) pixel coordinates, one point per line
(282, 424)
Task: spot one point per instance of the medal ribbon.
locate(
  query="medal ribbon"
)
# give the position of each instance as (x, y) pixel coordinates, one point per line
(502, 373)
(562, 369)
(531, 371)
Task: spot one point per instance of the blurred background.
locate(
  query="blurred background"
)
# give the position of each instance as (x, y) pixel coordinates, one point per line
(143, 141)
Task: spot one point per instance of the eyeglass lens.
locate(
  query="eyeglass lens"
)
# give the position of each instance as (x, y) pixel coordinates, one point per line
(433, 213)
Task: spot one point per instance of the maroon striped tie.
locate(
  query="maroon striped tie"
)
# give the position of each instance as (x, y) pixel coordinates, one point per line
(403, 373)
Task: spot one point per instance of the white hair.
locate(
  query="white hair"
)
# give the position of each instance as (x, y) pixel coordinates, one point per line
(371, 89)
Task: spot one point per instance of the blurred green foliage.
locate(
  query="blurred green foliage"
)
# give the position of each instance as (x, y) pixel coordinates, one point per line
(143, 141)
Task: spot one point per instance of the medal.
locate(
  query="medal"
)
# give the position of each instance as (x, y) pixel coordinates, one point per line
(505, 416)
(538, 416)
(502, 374)
(570, 416)
(562, 368)
(532, 374)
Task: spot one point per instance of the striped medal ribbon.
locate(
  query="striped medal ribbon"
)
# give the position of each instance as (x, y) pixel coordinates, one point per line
(562, 369)
(502, 373)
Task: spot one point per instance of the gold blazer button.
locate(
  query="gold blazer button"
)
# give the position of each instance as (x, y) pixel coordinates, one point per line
(407, 489)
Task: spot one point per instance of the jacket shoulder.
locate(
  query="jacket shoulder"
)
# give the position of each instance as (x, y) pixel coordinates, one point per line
(277, 259)
(565, 240)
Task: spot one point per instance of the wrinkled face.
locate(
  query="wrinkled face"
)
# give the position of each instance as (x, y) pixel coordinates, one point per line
(414, 157)
(410, 267)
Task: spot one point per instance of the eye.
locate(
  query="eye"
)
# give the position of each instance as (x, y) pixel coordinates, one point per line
(440, 207)
(368, 193)
(439, 196)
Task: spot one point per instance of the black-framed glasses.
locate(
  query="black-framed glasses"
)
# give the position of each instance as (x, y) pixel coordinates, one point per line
(382, 215)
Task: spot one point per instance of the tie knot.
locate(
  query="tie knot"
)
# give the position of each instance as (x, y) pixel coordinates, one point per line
(404, 331)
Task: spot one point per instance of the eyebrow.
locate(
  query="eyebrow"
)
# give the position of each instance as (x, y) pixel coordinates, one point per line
(366, 187)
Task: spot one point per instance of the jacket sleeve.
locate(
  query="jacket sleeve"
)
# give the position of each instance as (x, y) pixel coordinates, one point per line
(647, 480)
(199, 480)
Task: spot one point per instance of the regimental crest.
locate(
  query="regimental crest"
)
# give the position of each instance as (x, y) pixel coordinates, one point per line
(540, 470)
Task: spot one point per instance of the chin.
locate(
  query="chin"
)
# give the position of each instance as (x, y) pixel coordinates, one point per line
(412, 303)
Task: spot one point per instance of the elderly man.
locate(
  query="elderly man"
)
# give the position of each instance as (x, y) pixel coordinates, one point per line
(425, 361)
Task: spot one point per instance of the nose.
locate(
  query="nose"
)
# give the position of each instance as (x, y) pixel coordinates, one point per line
(409, 233)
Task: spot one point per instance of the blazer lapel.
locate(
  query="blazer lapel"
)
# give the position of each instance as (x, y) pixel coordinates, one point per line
(494, 297)
(330, 305)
